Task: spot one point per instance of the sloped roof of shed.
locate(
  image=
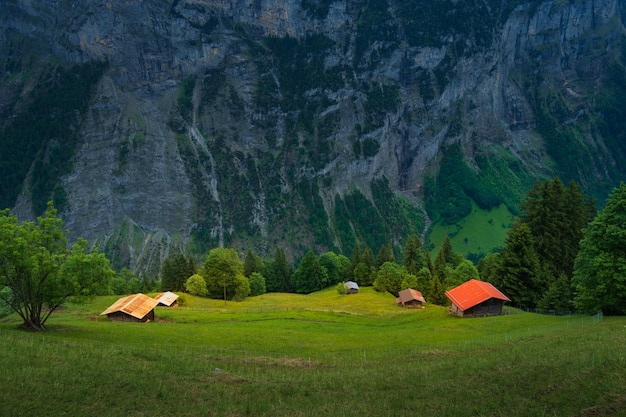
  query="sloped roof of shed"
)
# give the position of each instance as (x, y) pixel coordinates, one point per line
(136, 305)
(473, 292)
(166, 298)
(408, 295)
(351, 285)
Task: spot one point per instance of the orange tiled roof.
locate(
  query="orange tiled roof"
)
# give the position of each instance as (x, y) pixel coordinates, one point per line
(473, 292)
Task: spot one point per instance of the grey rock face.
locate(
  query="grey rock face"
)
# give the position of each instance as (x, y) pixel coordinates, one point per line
(131, 186)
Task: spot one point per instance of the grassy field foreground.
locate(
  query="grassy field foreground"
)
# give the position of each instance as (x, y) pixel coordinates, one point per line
(317, 355)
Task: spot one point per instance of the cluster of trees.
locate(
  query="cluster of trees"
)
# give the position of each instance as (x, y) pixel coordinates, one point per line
(536, 264)
(560, 255)
(224, 276)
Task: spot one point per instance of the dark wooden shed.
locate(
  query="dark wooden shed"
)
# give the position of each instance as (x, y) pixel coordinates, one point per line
(410, 298)
(476, 298)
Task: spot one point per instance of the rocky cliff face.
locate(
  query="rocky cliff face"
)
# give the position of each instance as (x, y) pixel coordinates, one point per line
(264, 123)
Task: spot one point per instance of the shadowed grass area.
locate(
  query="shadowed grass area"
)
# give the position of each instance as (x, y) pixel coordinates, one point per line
(316, 355)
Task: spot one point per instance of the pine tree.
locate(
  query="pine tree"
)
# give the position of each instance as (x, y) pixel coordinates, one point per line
(556, 216)
(600, 269)
(385, 254)
(282, 272)
(518, 268)
(310, 276)
(413, 257)
(249, 264)
(438, 293)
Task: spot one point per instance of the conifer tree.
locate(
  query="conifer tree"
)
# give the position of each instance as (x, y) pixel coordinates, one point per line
(175, 271)
(385, 254)
(600, 270)
(520, 275)
(413, 256)
(425, 282)
(310, 276)
(251, 264)
(282, 272)
(556, 216)
(438, 292)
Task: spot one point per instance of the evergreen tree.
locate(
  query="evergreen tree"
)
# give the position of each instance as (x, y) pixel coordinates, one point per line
(268, 273)
(175, 271)
(439, 267)
(519, 271)
(385, 254)
(488, 269)
(425, 282)
(310, 276)
(413, 256)
(329, 261)
(251, 264)
(438, 293)
(355, 259)
(556, 216)
(600, 269)
(282, 272)
(559, 296)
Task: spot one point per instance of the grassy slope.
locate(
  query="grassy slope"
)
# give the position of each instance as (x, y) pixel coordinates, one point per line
(480, 232)
(317, 355)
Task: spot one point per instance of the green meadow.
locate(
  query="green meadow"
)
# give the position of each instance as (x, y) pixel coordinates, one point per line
(480, 232)
(321, 354)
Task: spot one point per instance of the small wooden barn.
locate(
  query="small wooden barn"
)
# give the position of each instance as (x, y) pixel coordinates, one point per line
(476, 298)
(136, 307)
(167, 299)
(410, 298)
(351, 287)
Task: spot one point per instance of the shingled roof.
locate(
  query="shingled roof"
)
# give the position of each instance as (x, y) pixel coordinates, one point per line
(166, 298)
(409, 295)
(472, 293)
(136, 305)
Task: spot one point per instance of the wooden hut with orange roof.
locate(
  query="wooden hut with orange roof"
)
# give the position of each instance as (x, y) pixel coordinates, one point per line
(476, 298)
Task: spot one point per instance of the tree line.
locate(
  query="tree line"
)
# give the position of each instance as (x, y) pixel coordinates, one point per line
(560, 254)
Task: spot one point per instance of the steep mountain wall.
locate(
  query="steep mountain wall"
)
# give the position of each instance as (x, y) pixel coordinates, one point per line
(310, 124)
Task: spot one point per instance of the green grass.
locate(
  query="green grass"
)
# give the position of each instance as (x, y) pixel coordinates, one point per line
(313, 355)
(480, 232)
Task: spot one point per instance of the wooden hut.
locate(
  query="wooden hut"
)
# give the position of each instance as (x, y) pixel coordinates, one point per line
(136, 307)
(410, 298)
(476, 298)
(351, 287)
(167, 299)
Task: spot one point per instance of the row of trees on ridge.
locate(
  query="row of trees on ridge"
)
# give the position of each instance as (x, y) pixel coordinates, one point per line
(559, 254)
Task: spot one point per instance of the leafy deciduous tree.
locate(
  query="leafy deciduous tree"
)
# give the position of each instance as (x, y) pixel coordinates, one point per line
(257, 284)
(389, 278)
(32, 255)
(196, 285)
(223, 272)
